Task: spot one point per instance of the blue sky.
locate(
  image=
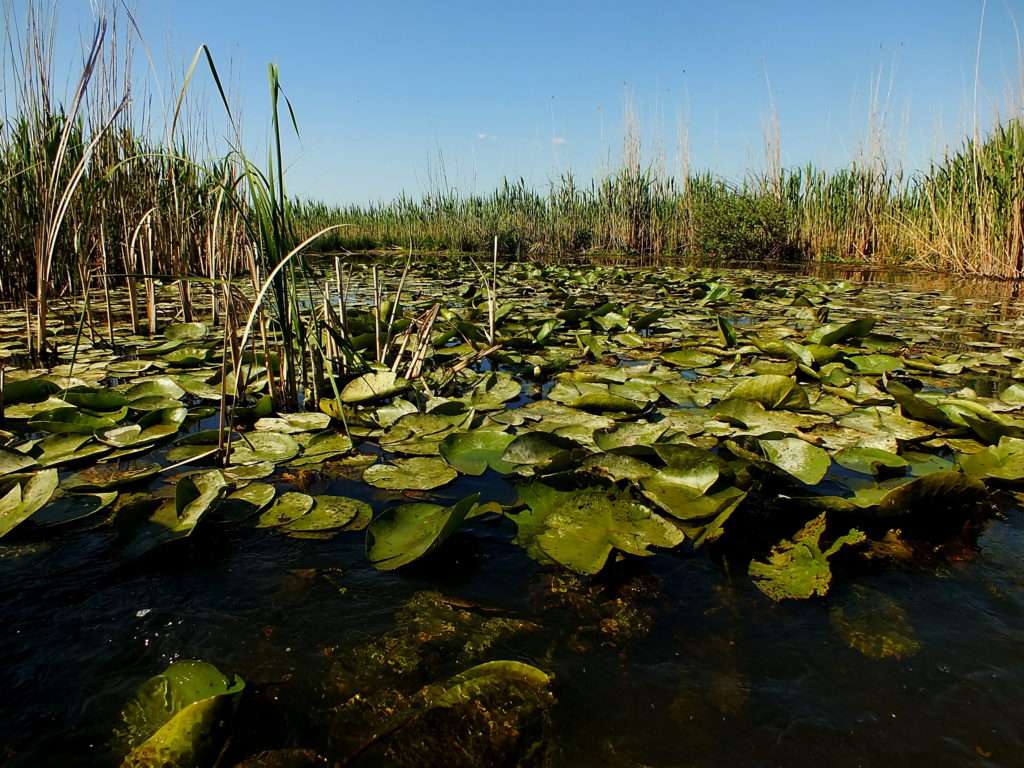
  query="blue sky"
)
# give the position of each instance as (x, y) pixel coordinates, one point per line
(388, 93)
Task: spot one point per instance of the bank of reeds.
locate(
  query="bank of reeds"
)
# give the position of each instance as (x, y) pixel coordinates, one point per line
(965, 214)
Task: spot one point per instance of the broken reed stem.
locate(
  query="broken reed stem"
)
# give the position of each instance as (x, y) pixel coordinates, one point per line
(492, 307)
(423, 343)
(376, 311)
(394, 310)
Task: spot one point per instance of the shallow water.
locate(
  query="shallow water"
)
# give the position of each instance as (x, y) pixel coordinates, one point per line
(671, 660)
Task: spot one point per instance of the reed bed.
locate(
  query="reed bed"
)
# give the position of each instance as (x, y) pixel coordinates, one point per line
(962, 215)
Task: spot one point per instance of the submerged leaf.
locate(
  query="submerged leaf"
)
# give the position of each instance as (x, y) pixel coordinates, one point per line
(799, 569)
(874, 624)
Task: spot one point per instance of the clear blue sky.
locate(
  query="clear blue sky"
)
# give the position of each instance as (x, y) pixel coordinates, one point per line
(383, 89)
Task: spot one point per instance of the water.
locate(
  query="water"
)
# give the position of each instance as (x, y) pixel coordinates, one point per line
(667, 661)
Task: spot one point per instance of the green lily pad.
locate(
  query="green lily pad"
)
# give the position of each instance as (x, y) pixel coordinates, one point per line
(294, 423)
(178, 719)
(419, 474)
(408, 532)
(771, 391)
(274, 447)
(162, 387)
(833, 333)
(246, 502)
(473, 452)
(807, 463)
(15, 461)
(288, 508)
(580, 529)
(23, 500)
(689, 358)
(72, 508)
(1004, 461)
(869, 460)
(544, 451)
(175, 519)
(331, 513)
(377, 385)
(186, 331)
(97, 479)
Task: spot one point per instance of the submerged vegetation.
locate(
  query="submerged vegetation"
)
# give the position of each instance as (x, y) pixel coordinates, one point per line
(183, 384)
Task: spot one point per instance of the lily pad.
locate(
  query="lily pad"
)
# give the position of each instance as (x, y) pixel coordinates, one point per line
(408, 532)
(771, 391)
(418, 474)
(178, 719)
(472, 453)
(23, 500)
(796, 457)
(580, 529)
(331, 513)
(373, 386)
(287, 509)
(254, 447)
(176, 518)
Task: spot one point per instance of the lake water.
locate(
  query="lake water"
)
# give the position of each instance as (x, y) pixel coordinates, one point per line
(671, 660)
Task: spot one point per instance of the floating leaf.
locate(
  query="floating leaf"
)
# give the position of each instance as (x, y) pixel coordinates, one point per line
(176, 518)
(246, 502)
(72, 508)
(178, 719)
(771, 391)
(186, 331)
(870, 461)
(1004, 461)
(419, 474)
(543, 451)
(108, 478)
(287, 509)
(833, 333)
(473, 452)
(408, 532)
(14, 461)
(580, 529)
(22, 501)
(274, 447)
(373, 386)
(162, 387)
(331, 513)
(689, 358)
(796, 457)
(294, 423)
